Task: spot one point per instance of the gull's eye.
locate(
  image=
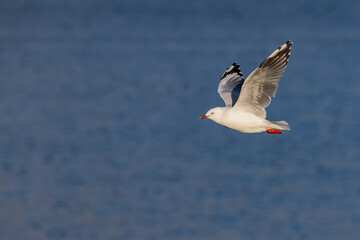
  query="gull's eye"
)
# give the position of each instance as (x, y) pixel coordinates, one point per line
(212, 113)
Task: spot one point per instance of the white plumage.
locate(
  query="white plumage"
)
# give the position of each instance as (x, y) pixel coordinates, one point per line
(246, 100)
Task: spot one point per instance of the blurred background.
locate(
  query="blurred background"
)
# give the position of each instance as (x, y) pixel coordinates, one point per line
(99, 129)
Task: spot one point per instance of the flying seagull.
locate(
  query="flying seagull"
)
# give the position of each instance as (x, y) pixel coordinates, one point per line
(246, 100)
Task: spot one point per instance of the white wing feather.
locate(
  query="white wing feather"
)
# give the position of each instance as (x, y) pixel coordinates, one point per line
(262, 83)
(230, 85)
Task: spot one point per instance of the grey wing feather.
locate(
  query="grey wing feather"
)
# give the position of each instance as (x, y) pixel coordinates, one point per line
(230, 85)
(262, 83)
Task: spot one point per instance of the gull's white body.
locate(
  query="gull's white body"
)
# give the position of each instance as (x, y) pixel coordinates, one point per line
(244, 121)
(246, 100)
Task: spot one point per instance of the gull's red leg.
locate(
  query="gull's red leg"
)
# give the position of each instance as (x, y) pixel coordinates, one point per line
(273, 131)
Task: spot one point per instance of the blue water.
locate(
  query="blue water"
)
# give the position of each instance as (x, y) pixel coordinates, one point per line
(99, 129)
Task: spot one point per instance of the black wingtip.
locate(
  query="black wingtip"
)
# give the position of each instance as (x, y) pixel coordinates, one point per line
(234, 68)
(281, 49)
(289, 43)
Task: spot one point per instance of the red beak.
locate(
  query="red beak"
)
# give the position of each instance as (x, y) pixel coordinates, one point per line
(203, 116)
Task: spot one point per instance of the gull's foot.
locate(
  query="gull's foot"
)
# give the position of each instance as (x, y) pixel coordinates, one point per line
(273, 131)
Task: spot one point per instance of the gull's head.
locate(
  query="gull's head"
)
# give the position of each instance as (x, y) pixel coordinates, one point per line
(214, 113)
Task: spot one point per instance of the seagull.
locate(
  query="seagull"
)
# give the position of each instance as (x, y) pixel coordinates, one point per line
(246, 100)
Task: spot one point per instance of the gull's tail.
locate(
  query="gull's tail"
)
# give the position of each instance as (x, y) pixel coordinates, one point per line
(281, 125)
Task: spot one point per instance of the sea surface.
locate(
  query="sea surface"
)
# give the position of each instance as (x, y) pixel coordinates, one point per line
(99, 129)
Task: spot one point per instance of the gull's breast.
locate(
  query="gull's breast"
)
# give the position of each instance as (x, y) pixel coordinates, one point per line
(244, 122)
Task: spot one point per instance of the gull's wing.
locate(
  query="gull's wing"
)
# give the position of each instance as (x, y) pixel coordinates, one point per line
(230, 85)
(263, 82)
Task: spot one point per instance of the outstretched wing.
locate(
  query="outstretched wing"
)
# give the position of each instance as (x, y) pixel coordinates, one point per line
(263, 82)
(230, 84)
